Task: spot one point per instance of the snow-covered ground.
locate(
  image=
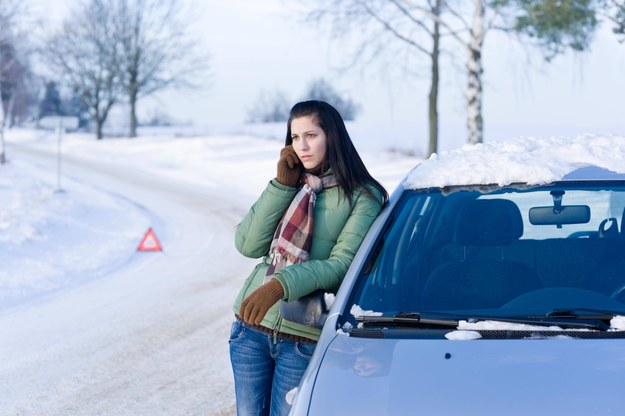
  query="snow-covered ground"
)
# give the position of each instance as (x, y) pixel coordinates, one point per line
(89, 325)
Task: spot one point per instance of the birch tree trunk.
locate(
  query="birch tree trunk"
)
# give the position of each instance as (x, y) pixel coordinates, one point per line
(474, 75)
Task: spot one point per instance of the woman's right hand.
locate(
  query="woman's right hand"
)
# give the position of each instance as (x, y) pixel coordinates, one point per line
(289, 167)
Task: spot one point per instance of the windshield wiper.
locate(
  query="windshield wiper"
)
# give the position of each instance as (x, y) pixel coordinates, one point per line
(407, 319)
(571, 318)
(593, 318)
(583, 314)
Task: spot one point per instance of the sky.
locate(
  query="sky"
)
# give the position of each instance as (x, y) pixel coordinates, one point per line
(261, 46)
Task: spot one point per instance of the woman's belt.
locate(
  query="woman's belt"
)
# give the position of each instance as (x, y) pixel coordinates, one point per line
(284, 335)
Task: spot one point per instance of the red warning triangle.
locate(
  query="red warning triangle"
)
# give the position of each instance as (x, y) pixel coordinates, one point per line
(149, 242)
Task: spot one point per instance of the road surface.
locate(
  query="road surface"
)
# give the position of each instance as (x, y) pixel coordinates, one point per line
(149, 338)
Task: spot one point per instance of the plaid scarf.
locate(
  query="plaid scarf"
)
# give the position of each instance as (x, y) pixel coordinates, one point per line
(293, 237)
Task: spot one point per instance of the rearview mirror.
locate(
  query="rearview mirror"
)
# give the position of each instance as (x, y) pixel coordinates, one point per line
(566, 214)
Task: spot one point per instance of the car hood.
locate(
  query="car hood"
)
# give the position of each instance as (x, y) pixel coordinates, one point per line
(487, 377)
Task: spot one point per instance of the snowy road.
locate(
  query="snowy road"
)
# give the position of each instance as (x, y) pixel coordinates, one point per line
(147, 339)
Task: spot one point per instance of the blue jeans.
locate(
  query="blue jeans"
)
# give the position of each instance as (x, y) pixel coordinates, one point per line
(264, 370)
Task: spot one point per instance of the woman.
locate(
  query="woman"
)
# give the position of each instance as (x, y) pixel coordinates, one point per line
(319, 176)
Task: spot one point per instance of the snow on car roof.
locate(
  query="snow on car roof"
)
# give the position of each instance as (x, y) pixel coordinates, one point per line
(520, 160)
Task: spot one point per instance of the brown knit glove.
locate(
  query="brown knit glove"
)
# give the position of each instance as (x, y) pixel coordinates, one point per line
(289, 167)
(255, 306)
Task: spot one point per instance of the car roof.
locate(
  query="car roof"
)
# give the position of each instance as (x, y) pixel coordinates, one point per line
(531, 161)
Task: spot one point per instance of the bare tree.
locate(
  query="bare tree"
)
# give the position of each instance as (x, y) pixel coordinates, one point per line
(449, 18)
(274, 106)
(157, 49)
(269, 107)
(85, 54)
(17, 86)
(382, 23)
(11, 71)
(12, 67)
(551, 25)
(320, 89)
(554, 24)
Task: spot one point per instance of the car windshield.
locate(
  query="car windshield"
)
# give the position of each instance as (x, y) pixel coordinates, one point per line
(516, 251)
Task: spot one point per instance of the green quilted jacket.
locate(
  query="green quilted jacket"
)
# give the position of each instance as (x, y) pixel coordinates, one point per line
(338, 232)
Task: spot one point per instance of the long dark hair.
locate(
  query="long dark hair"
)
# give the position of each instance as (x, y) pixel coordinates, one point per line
(341, 155)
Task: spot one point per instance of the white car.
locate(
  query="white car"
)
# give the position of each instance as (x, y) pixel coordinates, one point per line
(493, 283)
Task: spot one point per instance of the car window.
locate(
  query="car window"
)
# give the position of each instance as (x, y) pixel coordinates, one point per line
(503, 251)
(604, 204)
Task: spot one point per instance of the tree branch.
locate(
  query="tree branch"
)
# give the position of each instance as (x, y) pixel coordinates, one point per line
(391, 29)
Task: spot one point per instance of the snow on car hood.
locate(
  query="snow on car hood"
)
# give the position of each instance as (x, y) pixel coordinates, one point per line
(521, 160)
(487, 377)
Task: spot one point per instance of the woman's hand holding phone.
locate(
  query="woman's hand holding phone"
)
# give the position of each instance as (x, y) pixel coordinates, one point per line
(289, 167)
